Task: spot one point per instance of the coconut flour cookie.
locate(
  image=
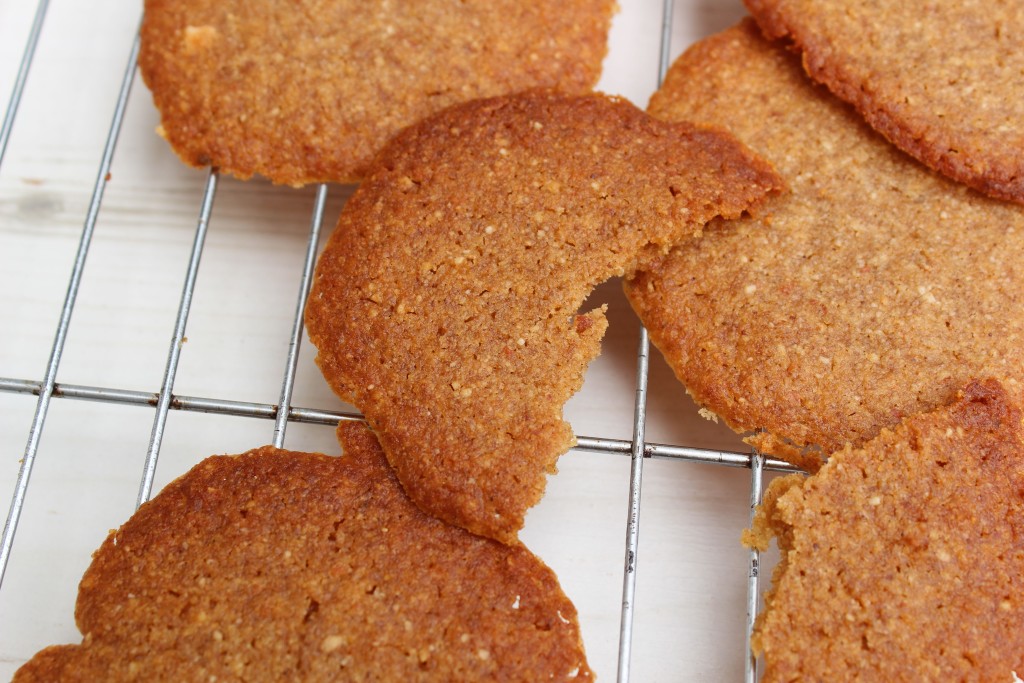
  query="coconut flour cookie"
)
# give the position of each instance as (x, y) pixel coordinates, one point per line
(943, 81)
(303, 91)
(445, 305)
(904, 560)
(276, 566)
(874, 289)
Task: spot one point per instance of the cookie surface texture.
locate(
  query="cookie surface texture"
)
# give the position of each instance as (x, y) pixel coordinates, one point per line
(275, 565)
(903, 561)
(943, 80)
(303, 91)
(445, 304)
(873, 290)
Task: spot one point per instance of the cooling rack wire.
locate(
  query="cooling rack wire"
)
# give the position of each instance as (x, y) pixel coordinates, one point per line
(164, 400)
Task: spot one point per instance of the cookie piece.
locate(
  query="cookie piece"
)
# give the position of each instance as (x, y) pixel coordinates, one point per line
(307, 91)
(944, 83)
(903, 561)
(445, 304)
(274, 566)
(874, 289)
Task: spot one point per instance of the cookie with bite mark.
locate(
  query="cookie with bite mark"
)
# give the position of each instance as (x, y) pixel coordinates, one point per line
(446, 305)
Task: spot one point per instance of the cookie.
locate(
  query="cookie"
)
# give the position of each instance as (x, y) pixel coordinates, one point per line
(872, 290)
(445, 305)
(903, 560)
(274, 566)
(307, 91)
(945, 82)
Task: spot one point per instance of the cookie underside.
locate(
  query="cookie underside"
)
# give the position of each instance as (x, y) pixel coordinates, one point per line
(872, 290)
(903, 560)
(945, 85)
(275, 565)
(304, 92)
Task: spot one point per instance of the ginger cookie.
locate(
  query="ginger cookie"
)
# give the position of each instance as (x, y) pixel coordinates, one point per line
(903, 560)
(445, 306)
(872, 290)
(275, 566)
(307, 91)
(943, 82)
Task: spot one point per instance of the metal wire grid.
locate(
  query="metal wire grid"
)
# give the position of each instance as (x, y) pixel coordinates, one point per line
(283, 412)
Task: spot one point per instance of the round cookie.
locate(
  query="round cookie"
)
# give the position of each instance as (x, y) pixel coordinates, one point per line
(275, 566)
(445, 306)
(944, 82)
(307, 91)
(903, 561)
(874, 289)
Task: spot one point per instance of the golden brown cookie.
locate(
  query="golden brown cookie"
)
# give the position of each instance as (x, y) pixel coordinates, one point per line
(943, 81)
(303, 91)
(904, 560)
(874, 289)
(445, 304)
(278, 566)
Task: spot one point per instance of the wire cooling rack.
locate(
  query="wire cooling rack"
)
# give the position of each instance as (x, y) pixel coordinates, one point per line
(20, 597)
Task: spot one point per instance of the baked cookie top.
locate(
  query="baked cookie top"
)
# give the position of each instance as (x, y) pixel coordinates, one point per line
(275, 566)
(903, 560)
(445, 305)
(944, 82)
(303, 91)
(874, 289)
